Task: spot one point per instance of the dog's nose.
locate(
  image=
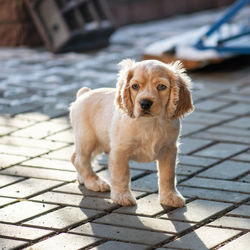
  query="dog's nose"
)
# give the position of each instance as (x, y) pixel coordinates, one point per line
(146, 104)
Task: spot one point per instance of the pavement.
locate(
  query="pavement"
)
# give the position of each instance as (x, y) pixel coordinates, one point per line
(43, 207)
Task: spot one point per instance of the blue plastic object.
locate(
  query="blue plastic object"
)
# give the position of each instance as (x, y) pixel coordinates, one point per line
(231, 43)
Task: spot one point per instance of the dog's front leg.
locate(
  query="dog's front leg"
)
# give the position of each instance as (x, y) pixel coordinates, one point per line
(120, 179)
(169, 195)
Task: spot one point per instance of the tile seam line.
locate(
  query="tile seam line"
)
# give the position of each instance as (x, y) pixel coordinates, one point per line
(37, 156)
(214, 95)
(201, 137)
(216, 124)
(137, 228)
(224, 243)
(67, 229)
(214, 164)
(18, 199)
(205, 221)
(216, 189)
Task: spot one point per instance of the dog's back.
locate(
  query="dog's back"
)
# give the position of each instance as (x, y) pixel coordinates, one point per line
(91, 113)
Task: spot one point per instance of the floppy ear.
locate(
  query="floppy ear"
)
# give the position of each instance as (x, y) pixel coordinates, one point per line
(180, 101)
(123, 97)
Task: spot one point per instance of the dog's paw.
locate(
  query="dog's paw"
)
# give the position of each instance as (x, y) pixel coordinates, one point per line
(124, 199)
(172, 199)
(94, 184)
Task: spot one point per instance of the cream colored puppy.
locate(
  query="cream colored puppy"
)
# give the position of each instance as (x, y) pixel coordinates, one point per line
(139, 120)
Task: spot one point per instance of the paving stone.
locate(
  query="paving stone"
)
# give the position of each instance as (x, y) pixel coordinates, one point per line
(21, 232)
(207, 118)
(14, 110)
(23, 210)
(239, 108)
(210, 194)
(50, 163)
(145, 223)
(102, 159)
(40, 173)
(242, 122)
(223, 137)
(28, 142)
(196, 160)
(149, 182)
(15, 122)
(232, 222)
(148, 166)
(40, 130)
(114, 245)
(65, 136)
(8, 160)
(10, 244)
(63, 218)
(229, 131)
(187, 170)
(7, 180)
(203, 238)
(235, 97)
(148, 205)
(65, 241)
(61, 154)
(243, 157)
(243, 210)
(121, 233)
(4, 130)
(210, 105)
(105, 174)
(226, 170)
(189, 145)
(5, 201)
(191, 128)
(27, 187)
(240, 243)
(196, 211)
(221, 150)
(245, 178)
(75, 188)
(75, 200)
(233, 186)
(22, 151)
(62, 120)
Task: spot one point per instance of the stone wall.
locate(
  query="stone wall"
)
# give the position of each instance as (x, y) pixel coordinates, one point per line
(16, 27)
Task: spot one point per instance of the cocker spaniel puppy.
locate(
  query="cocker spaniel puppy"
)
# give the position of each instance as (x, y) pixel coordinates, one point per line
(139, 120)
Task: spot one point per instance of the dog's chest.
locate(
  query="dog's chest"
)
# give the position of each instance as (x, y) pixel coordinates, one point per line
(149, 142)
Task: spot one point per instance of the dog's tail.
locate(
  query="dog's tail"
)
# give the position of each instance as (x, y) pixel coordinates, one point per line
(82, 91)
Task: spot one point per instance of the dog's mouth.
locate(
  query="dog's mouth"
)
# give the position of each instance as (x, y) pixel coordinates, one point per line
(146, 113)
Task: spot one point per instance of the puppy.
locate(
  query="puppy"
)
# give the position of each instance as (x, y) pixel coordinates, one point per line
(139, 120)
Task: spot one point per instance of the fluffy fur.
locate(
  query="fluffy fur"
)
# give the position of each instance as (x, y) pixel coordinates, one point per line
(114, 121)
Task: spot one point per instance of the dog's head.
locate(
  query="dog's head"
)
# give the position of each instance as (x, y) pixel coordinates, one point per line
(151, 89)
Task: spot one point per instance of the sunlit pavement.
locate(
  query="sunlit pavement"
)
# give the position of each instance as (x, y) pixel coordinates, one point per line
(43, 207)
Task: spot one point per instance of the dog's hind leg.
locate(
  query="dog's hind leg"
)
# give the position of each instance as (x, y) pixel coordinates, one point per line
(81, 159)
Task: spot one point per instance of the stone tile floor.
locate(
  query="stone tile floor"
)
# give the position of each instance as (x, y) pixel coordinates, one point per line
(43, 207)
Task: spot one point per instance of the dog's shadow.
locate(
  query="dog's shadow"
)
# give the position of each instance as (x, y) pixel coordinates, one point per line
(120, 227)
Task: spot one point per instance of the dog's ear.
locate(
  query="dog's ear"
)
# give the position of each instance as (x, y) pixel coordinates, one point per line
(123, 96)
(180, 100)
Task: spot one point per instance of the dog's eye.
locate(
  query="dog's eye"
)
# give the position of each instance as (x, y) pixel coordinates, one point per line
(161, 87)
(135, 86)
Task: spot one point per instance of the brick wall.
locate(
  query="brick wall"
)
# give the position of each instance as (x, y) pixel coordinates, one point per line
(133, 11)
(16, 27)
